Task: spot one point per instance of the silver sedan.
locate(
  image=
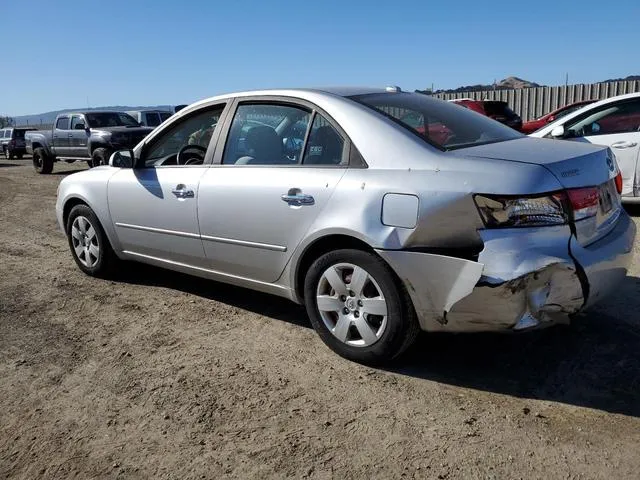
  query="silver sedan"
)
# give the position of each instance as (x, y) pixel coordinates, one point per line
(383, 212)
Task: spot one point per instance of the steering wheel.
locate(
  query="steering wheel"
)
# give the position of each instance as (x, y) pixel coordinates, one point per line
(191, 160)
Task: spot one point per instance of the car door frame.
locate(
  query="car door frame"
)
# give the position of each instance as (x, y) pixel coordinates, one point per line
(351, 156)
(78, 148)
(147, 177)
(61, 150)
(351, 159)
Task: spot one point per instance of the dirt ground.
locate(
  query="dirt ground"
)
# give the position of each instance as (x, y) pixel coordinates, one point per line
(160, 375)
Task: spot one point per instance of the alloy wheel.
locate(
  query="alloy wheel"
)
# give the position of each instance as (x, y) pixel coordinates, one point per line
(85, 241)
(351, 305)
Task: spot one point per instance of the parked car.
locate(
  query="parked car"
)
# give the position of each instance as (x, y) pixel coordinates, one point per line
(12, 142)
(89, 136)
(533, 125)
(615, 123)
(378, 229)
(497, 110)
(149, 118)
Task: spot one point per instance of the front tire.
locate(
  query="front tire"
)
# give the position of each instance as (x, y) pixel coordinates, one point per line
(358, 307)
(42, 163)
(89, 244)
(8, 154)
(19, 156)
(100, 156)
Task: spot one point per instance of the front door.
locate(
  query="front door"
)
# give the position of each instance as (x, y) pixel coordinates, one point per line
(154, 206)
(256, 206)
(616, 125)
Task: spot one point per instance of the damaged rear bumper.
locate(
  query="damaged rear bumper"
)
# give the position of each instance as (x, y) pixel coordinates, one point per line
(524, 278)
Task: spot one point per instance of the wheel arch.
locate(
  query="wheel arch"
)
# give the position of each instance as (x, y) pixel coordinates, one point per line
(317, 247)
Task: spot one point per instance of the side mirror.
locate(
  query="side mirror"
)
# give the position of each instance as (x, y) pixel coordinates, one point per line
(122, 159)
(558, 132)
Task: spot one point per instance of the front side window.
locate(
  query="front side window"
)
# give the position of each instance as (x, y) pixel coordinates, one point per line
(63, 123)
(608, 119)
(266, 134)
(442, 124)
(186, 142)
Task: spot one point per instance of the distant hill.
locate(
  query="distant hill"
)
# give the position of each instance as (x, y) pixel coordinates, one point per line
(49, 117)
(628, 79)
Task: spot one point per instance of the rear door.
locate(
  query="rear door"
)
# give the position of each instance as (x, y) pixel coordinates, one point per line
(154, 206)
(79, 138)
(616, 125)
(61, 136)
(278, 169)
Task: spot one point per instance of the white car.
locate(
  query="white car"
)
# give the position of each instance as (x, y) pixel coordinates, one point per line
(615, 123)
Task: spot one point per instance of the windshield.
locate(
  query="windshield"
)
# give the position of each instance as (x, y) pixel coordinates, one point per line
(110, 119)
(443, 124)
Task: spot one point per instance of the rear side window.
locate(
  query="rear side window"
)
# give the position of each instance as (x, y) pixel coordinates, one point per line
(325, 146)
(442, 124)
(266, 134)
(164, 116)
(63, 123)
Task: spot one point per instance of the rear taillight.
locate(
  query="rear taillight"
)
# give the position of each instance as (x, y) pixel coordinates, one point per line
(619, 183)
(584, 202)
(505, 212)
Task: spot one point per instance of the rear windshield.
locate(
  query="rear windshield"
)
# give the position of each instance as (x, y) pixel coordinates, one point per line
(498, 108)
(443, 124)
(110, 119)
(20, 133)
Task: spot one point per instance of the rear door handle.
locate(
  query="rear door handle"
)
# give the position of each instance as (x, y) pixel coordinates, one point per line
(295, 197)
(70, 135)
(624, 144)
(181, 191)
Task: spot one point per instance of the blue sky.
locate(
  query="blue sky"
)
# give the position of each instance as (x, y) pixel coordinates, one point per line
(67, 53)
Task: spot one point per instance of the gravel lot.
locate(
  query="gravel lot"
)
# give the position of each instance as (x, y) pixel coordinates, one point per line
(161, 375)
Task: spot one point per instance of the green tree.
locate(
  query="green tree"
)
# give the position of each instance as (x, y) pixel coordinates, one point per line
(6, 122)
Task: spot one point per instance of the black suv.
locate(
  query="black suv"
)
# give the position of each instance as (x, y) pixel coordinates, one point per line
(12, 142)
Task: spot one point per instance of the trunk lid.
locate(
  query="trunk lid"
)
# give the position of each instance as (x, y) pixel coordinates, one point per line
(575, 165)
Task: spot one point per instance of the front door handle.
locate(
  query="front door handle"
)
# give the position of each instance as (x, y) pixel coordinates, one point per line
(70, 135)
(295, 197)
(624, 144)
(181, 191)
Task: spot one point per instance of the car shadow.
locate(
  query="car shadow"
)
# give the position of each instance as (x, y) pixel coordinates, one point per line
(10, 165)
(594, 362)
(67, 172)
(256, 302)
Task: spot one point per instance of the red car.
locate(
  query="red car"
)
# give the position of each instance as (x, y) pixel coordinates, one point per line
(533, 125)
(497, 110)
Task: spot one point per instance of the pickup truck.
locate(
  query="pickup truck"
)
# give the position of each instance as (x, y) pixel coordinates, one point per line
(87, 136)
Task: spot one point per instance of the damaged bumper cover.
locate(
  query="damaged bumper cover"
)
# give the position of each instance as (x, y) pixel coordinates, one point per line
(524, 278)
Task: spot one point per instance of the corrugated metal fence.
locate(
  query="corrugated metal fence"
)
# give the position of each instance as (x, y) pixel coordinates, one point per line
(532, 103)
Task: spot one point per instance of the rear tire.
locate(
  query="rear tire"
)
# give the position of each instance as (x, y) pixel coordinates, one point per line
(8, 154)
(367, 315)
(42, 163)
(19, 156)
(89, 244)
(100, 156)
